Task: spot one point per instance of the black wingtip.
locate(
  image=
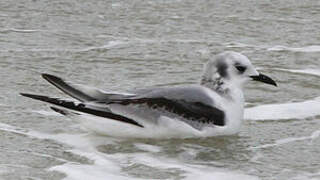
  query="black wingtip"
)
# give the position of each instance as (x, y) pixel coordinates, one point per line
(23, 94)
(29, 95)
(37, 97)
(67, 88)
(50, 78)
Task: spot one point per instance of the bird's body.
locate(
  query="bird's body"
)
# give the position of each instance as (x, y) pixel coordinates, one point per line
(213, 107)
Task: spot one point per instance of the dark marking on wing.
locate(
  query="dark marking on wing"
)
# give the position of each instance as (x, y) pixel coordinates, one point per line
(195, 111)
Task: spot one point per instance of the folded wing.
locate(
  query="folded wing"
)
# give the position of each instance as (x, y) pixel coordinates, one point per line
(190, 104)
(191, 111)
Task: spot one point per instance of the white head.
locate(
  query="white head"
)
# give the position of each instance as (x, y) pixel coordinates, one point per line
(230, 70)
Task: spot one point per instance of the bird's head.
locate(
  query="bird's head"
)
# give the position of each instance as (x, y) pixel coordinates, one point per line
(231, 69)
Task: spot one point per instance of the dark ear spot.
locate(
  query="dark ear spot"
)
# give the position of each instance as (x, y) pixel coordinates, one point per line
(222, 69)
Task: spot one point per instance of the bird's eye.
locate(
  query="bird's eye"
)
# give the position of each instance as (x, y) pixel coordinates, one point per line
(241, 69)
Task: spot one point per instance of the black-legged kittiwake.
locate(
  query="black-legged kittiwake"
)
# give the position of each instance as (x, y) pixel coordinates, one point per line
(213, 107)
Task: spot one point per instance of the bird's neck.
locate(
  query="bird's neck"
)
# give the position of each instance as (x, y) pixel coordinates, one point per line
(217, 84)
(232, 99)
(224, 88)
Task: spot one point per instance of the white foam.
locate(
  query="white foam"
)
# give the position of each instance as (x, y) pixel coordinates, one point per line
(315, 72)
(280, 142)
(107, 166)
(297, 110)
(239, 45)
(20, 30)
(103, 167)
(307, 176)
(109, 45)
(9, 128)
(314, 48)
(47, 113)
(116, 5)
(193, 171)
(148, 147)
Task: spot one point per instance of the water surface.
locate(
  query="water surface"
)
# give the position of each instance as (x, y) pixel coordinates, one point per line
(120, 45)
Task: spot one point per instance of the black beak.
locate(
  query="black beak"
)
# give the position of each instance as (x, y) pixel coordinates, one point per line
(263, 78)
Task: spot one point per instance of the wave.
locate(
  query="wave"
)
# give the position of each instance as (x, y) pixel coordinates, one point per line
(109, 45)
(47, 113)
(297, 110)
(315, 72)
(307, 176)
(307, 49)
(314, 48)
(111, 166)
(280, 142)
(19, 30)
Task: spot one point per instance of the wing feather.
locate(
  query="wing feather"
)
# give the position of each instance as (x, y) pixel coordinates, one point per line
(80, 107)
(195, 111)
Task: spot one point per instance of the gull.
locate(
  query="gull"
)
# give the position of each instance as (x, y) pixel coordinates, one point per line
(212, 107)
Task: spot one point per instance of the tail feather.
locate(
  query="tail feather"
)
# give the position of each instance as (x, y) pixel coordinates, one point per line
(67, 88)
(81, 107)
(81, 92)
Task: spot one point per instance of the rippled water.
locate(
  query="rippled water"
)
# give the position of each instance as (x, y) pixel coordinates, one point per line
(119, 45)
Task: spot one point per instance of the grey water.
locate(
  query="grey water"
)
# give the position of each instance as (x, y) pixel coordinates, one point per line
(119, 45)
